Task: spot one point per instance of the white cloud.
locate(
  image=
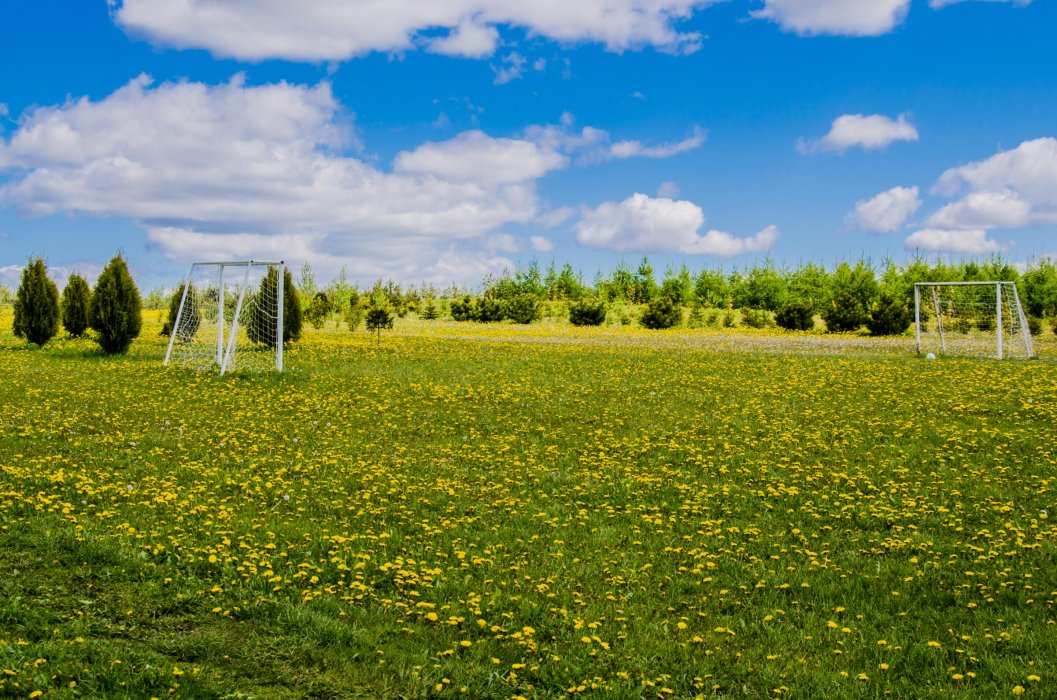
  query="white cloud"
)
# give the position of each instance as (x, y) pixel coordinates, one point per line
(668, 189)
(1011, 189)
(468, 39)
(503, 243)
(214, 161)
(964, 242)
(541, 244)
(869, 132)
(629, 149)
(327, 30)
(648, 225)
(840, 17)
(246, 171)
(937, 4)
(510, 68)
(554, 217)
(473, 156)
(885, 212)
(591, 145)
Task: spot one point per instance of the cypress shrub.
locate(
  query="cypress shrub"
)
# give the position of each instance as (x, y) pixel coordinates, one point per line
(587, 313)
(116, 309)
(76, 299)
(795, 316)
(36, 304)
(191, 318)
(662, 313)
(261, 327)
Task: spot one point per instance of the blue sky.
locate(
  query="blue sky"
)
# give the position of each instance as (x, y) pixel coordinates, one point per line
(441, 141)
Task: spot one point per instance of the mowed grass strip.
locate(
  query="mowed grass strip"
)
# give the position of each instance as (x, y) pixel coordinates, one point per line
(427, 516)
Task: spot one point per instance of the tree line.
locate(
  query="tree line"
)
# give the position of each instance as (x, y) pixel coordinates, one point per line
(846, 298)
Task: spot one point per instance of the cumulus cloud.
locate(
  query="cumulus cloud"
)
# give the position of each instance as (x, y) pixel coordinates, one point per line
(334, 30)
(964, 242)
(885, 212)
(233, 170)
(659, 225)
(869, 132)
(468, 39)
(1011, 189)
(839, 17)
(473, 156)
(221, 161)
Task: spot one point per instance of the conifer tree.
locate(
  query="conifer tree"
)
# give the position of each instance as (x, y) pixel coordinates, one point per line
(191, 317)
(116, 311)
(260, 328)
(36, 304)
(76, 299)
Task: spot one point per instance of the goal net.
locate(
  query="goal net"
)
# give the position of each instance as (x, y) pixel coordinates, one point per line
(230, 317)
(984, 319)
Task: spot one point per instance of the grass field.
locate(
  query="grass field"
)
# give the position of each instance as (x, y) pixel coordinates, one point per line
(475, 511)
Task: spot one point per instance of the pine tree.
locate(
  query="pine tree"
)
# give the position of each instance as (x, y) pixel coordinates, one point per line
(662, 313)
(888, 316)
(116, 311)
(76, 300)
(36, 304)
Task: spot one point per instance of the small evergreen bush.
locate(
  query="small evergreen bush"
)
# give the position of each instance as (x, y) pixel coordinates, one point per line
(844, 313)
(36, 304)
(795, 316)
(464, 309)
(888, 316)
(429, 310)
(490, 310)
(116, 311)
(756, 318)
(378, 319)
(1034, 325)
(76, 298)
(662, 313)
(587, 313)
(524, 308)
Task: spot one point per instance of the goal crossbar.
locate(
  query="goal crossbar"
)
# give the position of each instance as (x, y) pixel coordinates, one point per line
(1009, 319)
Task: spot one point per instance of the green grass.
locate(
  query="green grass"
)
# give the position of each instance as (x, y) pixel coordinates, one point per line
(540, 512)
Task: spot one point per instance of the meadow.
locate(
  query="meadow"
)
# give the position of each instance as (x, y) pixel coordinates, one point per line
(456, 510)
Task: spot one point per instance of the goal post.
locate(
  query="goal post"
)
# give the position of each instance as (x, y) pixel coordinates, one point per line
(971, 318)
(230, 317)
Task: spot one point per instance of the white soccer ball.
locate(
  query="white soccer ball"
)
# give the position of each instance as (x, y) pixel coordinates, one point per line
(930, 356)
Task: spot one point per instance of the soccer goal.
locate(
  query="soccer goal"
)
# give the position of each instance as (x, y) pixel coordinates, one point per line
(971, 318)
(230, 317)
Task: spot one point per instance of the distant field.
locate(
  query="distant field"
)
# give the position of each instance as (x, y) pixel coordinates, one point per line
(494, 511)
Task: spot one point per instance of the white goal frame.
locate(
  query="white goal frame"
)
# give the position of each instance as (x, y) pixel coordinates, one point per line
(933, 289)
(226, 335)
